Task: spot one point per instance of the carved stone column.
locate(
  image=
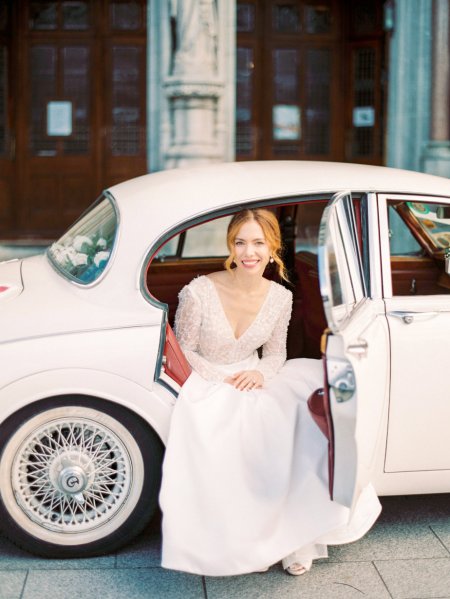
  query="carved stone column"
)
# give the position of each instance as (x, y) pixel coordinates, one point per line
(194, 87)
(408, 122)
(436, 158)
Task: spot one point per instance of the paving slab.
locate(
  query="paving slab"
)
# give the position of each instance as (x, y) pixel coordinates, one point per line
(150, 583)
(11, 584)
(13, 558)
(324, 581)
(391, 541)
(442, 531)
(145, 552)
(416, 579)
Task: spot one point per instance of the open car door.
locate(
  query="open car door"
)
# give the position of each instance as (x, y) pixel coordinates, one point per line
(356, 349)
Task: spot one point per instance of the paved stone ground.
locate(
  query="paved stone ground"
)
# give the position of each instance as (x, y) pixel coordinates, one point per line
(405, 556)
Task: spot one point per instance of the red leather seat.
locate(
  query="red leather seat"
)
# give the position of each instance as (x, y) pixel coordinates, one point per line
(314, 322)
(174, 361)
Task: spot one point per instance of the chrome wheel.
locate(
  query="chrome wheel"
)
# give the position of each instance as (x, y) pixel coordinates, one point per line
(72, 475)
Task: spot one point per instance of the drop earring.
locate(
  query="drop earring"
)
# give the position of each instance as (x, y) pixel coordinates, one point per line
(271, 260)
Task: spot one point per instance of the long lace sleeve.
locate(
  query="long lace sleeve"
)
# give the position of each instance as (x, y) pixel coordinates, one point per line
(187, 330)
(274, 350)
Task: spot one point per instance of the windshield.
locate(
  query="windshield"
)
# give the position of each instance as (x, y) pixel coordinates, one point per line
(83, 252)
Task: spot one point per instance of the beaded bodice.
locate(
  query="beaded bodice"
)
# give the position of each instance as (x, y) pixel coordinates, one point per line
(208, 341)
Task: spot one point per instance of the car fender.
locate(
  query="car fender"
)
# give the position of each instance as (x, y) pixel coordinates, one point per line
(154, 406)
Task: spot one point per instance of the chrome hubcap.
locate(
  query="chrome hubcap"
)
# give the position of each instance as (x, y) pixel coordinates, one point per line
(72, 480)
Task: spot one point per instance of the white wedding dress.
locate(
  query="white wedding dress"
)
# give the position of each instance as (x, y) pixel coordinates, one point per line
(245, 478)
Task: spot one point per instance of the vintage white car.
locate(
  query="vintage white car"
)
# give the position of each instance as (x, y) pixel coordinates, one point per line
(90, 369)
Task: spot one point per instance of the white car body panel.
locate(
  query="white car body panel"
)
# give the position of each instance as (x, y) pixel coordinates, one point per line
(59, 337)
(59, 307)
(154, 406)
(357, 353)
(419, 413)
(10, 281)
(363, 413)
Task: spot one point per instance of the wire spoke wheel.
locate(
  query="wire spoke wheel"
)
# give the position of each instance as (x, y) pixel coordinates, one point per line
(71, 474)
(77, 478)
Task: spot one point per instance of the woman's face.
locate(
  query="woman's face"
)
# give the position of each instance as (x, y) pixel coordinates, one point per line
(251, 250)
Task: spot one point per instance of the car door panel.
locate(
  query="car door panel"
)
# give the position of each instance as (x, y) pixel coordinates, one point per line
(359, 355)
(419, 409)
(416, 275)
(357, 352)
(419, 412)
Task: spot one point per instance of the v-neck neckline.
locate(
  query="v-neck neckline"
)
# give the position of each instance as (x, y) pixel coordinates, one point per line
(216, 291)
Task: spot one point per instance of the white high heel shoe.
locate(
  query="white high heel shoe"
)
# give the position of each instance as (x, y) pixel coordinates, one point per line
(296, 568)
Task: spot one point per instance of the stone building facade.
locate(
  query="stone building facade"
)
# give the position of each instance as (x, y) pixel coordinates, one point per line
(92, 93)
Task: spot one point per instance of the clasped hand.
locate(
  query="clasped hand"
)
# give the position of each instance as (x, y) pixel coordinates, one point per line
(246, 380)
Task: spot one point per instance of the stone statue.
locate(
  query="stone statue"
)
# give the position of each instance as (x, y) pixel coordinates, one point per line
(195, 37)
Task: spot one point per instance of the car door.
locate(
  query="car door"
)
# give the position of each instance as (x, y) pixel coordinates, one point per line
(357, 344)
(419, 323)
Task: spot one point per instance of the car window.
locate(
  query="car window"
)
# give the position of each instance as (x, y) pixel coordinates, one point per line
(419, 234)
(340, 271)
(84, 251)
(308, 215)
(207, 240)
(401, 240)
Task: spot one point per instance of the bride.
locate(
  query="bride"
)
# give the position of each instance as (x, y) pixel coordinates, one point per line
(245, 471)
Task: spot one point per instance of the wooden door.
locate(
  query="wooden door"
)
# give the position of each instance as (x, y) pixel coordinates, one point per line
(79, 120)
(302, 69)
(6, 133)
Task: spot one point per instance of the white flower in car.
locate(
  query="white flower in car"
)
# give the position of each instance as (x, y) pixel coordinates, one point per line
(79, 241)
(101, 243)
(79, 259)
(100, 257)
(65, 254)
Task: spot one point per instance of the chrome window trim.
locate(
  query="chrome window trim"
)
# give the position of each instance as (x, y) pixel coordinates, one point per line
(349, 239)
(385, 252)
(196, 220)
(72, 280)
(373, 248)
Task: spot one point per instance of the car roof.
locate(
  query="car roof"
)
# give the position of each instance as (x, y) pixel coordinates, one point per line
(152, 205)
(233, 182)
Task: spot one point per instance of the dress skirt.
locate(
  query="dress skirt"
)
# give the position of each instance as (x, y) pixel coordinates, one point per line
(245, 477)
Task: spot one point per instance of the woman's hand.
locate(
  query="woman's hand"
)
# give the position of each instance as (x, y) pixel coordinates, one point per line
(246, 380)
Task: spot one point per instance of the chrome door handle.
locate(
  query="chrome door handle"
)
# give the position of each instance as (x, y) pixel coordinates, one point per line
(410, 317)
(358, 349)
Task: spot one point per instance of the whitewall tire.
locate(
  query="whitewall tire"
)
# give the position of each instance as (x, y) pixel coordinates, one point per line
(79, 476)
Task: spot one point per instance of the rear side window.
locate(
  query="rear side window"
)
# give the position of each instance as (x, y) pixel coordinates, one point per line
(207, 240)
(84, 251)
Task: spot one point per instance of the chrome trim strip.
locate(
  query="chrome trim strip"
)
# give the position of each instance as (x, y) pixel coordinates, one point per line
(376, 283)
(79, 332)
(323, 262)
(385, 254)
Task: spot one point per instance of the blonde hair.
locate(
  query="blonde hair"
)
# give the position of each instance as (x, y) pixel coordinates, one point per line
(271, 229)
